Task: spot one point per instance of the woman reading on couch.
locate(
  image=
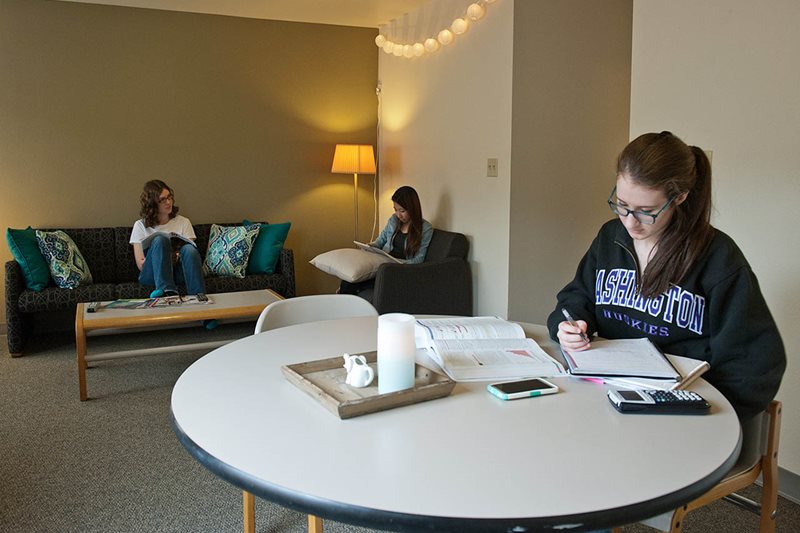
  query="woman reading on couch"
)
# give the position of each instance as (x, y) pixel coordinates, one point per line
(163, 264)
(406, 235)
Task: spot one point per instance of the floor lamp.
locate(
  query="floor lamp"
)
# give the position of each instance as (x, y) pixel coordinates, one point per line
(354, 159)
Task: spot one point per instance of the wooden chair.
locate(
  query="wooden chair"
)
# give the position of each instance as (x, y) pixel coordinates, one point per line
(759, 456)
(298, 311)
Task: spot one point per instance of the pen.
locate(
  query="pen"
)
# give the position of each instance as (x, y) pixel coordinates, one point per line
(698, 371)
(573, 323)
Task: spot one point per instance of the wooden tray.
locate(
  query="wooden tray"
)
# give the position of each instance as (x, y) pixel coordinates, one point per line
(323, 380)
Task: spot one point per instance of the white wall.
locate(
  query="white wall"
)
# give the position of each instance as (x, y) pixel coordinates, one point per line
(442, 116)
(723, 75)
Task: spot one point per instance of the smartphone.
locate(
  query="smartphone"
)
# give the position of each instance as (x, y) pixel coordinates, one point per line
(511, 390)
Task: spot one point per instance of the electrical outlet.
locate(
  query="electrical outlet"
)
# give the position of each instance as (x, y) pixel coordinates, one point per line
(491, 167)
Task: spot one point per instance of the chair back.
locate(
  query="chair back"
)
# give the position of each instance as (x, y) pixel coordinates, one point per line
(446, 244)
(312, 308)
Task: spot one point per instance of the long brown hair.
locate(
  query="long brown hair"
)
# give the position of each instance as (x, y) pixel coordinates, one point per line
(663, 162)
(407, 198)
(151, 194)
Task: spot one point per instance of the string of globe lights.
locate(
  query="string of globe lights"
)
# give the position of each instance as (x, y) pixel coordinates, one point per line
(474, 12)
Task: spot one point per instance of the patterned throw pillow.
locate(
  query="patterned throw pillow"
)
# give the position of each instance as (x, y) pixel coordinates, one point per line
(229, 249)
(67, 266)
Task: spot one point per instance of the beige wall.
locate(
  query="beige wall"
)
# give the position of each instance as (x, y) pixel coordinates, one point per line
(442, 116)
(571, 104)
(723, 74)
(239, 116)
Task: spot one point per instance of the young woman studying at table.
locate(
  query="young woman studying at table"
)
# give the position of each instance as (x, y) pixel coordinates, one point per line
(406, 235)
(660, 270)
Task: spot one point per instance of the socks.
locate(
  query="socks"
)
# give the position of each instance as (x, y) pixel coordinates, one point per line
(158, 293)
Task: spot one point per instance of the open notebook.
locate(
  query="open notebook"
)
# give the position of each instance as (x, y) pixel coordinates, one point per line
(622, 358)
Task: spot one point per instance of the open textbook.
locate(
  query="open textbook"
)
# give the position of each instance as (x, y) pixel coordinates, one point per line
(621, 358)
(371, 249)
(176, 239)
(484, 349)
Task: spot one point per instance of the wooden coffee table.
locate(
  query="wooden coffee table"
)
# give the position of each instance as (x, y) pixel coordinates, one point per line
(223, 306)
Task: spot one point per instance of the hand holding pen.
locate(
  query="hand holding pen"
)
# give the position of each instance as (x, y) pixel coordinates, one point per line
(572, 334)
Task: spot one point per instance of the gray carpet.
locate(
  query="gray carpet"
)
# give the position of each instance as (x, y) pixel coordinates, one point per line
(113, 463)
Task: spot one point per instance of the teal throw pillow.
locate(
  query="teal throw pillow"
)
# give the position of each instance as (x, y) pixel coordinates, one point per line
(229, 250)
(65, 262)
(25, 249)
(267, 248)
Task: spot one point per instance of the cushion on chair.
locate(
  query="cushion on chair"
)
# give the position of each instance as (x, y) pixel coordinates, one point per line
(350, 264)
(25, 249)
(229, 249)
(67, 266)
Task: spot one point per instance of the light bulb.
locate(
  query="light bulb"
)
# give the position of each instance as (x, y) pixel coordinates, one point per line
(398, 50)
(408, 51)
(431, 45)
(380, 40)
(459, 26)
(419, 49)
(474, 12)
(445, 37)
(388, 46)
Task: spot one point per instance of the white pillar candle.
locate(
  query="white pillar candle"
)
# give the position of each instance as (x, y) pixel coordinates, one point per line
(395, 352)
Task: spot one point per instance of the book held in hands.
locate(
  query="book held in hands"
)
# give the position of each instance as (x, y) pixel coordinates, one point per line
(176, 240)
(371, 249)
(484, 349)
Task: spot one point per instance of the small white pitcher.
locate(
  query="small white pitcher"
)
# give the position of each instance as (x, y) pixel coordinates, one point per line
(359, 373)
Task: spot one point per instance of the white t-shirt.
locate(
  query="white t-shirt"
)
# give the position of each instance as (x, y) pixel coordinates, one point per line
(180, 225)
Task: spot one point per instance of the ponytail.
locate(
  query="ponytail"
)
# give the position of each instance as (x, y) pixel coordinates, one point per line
(662, 161)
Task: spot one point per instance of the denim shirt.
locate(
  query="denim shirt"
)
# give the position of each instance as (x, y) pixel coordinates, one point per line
(384, 239)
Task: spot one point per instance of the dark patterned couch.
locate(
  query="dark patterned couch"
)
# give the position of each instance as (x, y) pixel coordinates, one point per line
(111, 262)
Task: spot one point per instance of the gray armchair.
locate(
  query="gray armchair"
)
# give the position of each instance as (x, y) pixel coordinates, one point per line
(441, 285)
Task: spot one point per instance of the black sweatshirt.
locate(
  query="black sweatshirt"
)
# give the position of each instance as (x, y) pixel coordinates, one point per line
(716, 314)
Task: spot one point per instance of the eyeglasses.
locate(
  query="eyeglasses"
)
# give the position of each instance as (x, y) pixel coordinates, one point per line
(641, 216)
(166, 199)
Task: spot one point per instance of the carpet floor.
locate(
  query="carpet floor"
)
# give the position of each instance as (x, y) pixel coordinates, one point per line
(113, 463)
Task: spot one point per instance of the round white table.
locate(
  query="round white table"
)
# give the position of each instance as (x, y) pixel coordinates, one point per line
(466, 462)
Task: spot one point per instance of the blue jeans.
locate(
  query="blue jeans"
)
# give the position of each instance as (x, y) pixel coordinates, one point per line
(158, 271)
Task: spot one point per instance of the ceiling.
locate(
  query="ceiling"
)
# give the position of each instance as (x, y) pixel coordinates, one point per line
(363, 13)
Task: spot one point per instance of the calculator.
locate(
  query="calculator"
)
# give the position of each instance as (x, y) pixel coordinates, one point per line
(681, 402)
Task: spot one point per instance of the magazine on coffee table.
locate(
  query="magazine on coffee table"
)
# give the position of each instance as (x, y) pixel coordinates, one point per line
(148, 303)
(484, 349)
(373, 250)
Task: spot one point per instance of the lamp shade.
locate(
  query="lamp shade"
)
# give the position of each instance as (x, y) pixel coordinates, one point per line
(353, 159)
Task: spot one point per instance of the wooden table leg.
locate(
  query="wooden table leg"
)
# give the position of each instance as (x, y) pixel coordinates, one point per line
(249, 509)
(314, 524)
(80, 349)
